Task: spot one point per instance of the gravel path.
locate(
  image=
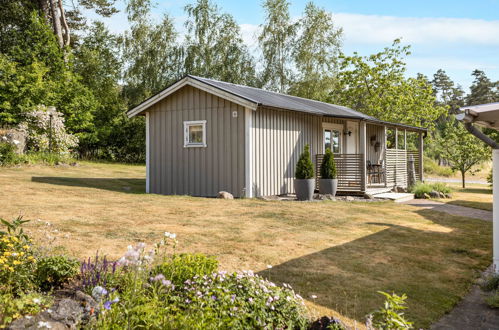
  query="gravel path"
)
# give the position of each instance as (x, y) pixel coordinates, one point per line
(471, 312)
(451, 209)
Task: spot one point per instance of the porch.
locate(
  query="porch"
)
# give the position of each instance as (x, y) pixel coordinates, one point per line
(382, 161)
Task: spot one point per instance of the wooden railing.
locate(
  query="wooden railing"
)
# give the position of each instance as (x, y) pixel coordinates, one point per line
(417, 163)
(349, 170)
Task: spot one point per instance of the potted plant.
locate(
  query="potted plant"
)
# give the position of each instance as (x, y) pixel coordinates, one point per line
(304, 182)
(328, 183)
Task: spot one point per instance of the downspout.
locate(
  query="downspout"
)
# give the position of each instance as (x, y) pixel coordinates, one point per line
(495, 191)
(482, 136)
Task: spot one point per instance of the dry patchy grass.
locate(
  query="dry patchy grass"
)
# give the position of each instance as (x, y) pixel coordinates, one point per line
(342, 252)
(478, 196)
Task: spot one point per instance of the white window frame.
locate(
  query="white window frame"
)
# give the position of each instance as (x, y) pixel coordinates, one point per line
(333, 127)
(186, 133)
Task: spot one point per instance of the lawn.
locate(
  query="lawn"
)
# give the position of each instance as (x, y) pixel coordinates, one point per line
(342, 252)
(478, 196)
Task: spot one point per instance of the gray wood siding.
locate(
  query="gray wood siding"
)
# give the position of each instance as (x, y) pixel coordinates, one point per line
(278, 139)
(175, 170)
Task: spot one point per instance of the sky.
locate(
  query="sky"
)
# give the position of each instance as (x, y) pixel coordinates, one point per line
(457, 36)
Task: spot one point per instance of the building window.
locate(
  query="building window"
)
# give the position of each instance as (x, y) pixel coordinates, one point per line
(332, 140)
(195, 133)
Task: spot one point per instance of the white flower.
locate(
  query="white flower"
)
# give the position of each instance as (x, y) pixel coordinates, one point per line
(4, 138)
(42, 324)
(37, 301)
(16, 142)
(313, 296)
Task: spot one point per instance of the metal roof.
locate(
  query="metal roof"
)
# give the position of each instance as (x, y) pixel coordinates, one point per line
(256, 97)
(283, 101)
(482, 114)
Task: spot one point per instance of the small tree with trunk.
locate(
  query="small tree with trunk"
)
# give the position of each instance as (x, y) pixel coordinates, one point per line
(461, 149)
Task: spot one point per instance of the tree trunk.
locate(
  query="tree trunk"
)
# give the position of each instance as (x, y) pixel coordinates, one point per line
(56, 22)
(463, 179)
(64, 23)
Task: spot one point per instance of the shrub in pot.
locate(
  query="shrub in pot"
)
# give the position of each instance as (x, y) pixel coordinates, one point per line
(304, 182)
(328, 183)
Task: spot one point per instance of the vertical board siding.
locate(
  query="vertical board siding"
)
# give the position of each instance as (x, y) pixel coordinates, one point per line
(278, 139)
(196, 171)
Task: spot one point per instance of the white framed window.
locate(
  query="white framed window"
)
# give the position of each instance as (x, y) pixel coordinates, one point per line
(195, 133)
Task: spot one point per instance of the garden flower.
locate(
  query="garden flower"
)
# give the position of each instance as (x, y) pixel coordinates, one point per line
(98, 292)
(313, 296)
(37, 300)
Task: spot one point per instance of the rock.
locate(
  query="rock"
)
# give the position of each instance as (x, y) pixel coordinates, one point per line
(426, 196)
(441, 194)
(326, 322)
(448, 196)
(399, 189)
(434, 194)
(327, 197)
(127, 188)
(225, 195)
(75, 164)
(70, 311)
(349, 199)
(368, 196)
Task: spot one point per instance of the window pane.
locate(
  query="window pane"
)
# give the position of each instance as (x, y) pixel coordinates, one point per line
(336, 141)
(196, 134)
(327, 139)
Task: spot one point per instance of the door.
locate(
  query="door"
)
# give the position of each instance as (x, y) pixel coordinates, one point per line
(352, 137)
(332, 137)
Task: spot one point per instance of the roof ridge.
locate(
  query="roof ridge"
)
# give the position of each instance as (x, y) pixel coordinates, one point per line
(268, 91)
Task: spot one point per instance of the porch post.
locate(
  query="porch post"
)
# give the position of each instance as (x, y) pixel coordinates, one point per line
(421, 140)
(396, 156)
(384, 155)
(362, 136)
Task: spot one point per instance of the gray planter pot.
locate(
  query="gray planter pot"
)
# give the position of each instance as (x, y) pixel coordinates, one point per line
(304, 189)
(328, 186)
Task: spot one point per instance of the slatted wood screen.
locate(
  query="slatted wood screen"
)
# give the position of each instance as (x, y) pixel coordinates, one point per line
(348, 170)
(396, 167)
(417, 163)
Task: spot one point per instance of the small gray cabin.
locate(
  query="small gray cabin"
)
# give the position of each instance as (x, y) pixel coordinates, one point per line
(204, 136)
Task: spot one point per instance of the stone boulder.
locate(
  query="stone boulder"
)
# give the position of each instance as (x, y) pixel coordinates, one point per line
(434, 194)
(225, 195)
(15, 137)
(426, 196)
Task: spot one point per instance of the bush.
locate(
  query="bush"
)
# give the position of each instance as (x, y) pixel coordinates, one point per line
(491, 283)
(53, 272)
(420, 188)
(216, 301)
(14, 307)
(46, 158)
(17, 263)
(431, 167)
(328, 166)
(185, 266)
(305, 167)
(390, 315)
(493, 300)
(8, 154)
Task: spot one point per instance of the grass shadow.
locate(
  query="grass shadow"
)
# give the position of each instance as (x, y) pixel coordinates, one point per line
(487, 191)
(487, 206)
(125, 185)
(423, 264)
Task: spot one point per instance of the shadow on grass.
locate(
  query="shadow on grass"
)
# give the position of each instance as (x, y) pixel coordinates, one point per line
(126, 185)
(422, 264)
(487, 206)
(476, 190)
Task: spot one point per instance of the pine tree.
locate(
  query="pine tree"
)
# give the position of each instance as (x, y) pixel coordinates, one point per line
(305, 167)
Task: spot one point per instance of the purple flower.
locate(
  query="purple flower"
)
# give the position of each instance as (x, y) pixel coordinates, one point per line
(214, 297)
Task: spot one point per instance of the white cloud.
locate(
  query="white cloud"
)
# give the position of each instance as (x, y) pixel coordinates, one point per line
(376, 29)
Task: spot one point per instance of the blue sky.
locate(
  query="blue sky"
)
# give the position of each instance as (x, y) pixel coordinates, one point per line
(457, 36)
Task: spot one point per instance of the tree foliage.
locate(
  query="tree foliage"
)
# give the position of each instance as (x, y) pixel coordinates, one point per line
(316, 54)
(304, 167)
(377, 86)
(462, 149)
(276, 42)
(214, 47)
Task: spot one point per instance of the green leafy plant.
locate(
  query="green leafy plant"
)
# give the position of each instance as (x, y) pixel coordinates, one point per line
(493, 300)
(421, 188)
(328, 166)
(8, 155)
(17, 263)
(305, 167)
(390, 317)
(491, 283)
(14, 307)
(185, 266)
(52, 272)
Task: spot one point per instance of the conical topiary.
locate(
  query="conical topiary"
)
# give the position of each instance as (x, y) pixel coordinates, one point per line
(305, 167)
(328, 166)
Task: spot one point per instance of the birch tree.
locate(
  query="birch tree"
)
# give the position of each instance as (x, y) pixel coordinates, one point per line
(214, 47)
(316, 54)
(276, 43)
